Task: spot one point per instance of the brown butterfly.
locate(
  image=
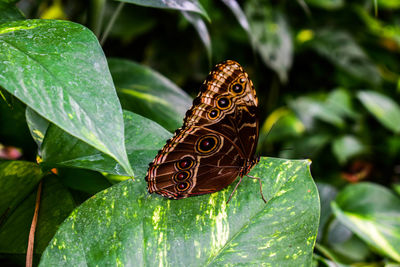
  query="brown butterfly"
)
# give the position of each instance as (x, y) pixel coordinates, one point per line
(217, 141)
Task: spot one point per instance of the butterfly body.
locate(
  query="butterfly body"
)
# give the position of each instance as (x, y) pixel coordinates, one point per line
(217, 141)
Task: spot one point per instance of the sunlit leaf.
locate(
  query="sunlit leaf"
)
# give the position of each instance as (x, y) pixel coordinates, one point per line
(59, 70)
(385, 110)
(371, 212)
(124, 224)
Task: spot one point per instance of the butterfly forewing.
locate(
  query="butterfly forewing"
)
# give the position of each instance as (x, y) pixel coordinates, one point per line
(217, 140)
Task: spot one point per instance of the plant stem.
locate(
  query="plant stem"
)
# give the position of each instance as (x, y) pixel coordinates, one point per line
(96, 14)
(31, 240)
(111, 23)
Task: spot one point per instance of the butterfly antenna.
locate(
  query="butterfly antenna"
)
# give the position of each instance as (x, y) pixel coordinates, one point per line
(259, 180)
(234, 190)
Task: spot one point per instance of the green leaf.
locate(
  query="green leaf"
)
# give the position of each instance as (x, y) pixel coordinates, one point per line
(148, 93)
(13, 128)
(9, 12)
(271, 36)
(308, 109)
(378, 27)
(327, 4)
(340, 101)
(124, 224)
(372, 213)
(306, 147)
(37, 125)
(342, 50)
(396, 188)
(53, 210)
(201, 28)
(239, 14)
(182, 5)
(282, 124)
(346, 147)
(385, 110)
(327, 193)
(59, 70)
(388, 4)
(143, 139)
(87, 181)
(17, 180)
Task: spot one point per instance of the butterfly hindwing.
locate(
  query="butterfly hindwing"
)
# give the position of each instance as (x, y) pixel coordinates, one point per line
(217, 140)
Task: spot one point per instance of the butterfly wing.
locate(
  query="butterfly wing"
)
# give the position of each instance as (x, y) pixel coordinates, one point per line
(218, 136)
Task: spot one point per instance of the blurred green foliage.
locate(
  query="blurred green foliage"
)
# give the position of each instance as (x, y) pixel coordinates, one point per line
(327, 75)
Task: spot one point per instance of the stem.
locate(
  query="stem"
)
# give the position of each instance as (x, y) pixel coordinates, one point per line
(31, 240)
(96, 14)
(111, 23)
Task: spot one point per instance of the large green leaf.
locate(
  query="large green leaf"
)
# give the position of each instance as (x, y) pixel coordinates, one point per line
(371, 212)
(143, 139)
(183, 5)
(271, 36)
(55, 205)
(148, 93)
(124, 225)
(59, 70)
(17, 180)
(385, 110)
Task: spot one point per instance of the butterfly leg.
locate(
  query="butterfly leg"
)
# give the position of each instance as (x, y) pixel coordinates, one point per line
(259, 180)
(234, 190)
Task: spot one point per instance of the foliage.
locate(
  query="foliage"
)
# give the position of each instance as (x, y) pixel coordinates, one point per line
(97, 93)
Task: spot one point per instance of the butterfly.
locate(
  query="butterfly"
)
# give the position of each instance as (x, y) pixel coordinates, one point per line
(217, 141)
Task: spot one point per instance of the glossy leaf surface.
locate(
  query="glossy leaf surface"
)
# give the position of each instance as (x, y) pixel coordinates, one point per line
(124, 224)
(59, 70)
